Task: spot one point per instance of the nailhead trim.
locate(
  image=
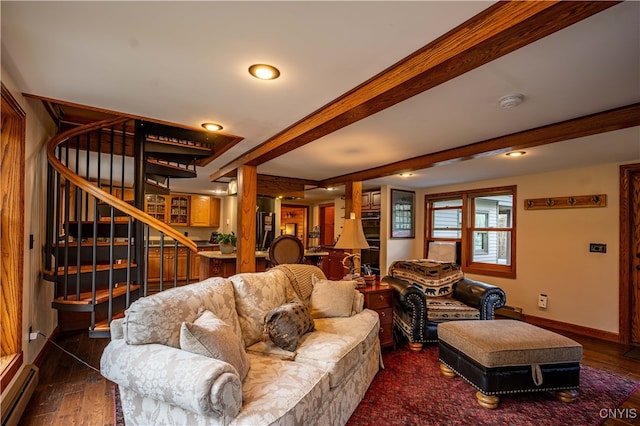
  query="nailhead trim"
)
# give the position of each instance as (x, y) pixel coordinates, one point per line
(510, 391)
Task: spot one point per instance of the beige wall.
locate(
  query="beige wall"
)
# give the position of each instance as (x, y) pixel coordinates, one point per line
(399, 248)
(37, 294)
(553, 247)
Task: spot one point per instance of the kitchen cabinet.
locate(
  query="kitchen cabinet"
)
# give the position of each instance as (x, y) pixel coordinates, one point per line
(205, 211)
(371, 228)
(126, 195)
(153, 265)
(169, 270)
(184, 209)
(371, 201)
(179, 210)
(156, 206)
(195, 268)
(181, 272)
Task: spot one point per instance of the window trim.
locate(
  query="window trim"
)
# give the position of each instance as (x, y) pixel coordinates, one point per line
(468, 219)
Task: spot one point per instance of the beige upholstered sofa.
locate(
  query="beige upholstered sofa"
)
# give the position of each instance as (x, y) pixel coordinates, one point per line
(156, 353)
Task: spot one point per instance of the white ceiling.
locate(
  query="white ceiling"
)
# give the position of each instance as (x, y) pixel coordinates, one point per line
(186, 62)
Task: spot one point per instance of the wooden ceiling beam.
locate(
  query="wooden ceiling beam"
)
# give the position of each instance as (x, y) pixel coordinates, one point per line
(607, 121)
(500, 29)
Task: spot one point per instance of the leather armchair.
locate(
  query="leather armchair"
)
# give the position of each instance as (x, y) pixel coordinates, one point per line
(410, 315)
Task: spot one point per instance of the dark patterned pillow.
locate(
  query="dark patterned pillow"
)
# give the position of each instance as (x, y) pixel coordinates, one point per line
(285, 324)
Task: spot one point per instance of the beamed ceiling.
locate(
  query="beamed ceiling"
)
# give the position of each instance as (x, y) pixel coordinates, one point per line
(368, 89)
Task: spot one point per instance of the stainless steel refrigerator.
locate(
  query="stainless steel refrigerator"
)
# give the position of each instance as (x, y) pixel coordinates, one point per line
(265, 232)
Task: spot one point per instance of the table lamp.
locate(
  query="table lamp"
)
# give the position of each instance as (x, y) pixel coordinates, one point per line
(352, 238)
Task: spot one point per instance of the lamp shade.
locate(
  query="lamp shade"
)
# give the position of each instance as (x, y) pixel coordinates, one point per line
(352, 236)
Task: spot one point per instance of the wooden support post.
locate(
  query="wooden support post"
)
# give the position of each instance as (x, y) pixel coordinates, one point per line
(353, 199)
(353, 204)
(247, 196)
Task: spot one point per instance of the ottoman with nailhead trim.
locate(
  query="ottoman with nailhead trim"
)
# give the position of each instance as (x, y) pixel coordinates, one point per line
(501, 357)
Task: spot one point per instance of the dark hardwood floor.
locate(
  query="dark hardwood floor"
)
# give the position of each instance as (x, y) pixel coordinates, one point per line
(72, 393)
(68, 392)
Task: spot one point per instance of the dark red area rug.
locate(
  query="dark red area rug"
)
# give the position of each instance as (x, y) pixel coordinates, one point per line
(412, 391)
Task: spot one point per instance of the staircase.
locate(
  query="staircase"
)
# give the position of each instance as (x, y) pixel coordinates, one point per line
(98, 235)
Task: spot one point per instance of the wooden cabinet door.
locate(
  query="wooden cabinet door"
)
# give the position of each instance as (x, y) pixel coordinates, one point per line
(376, 200)
(195, 267)
(181, 272)
(366, 200)
(153, 264)
(205, 211)
(214, 218)
(371, 200)
(127, 195)
(179, 210)
(200, 210)
(156, 206)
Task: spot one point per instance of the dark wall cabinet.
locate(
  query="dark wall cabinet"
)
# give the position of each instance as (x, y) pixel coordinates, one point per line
(371, 203)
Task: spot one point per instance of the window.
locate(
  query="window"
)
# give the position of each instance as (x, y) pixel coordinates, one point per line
(447, 219)
(483, 221)
(481, 238)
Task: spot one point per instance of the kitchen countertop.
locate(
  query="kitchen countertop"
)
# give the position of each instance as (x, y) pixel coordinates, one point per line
(259, 254)
(169, 243)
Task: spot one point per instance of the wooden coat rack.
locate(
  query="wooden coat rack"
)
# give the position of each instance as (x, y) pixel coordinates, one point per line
(576, 201)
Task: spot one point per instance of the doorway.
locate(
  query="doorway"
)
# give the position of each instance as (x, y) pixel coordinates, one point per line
(630, 254)
(327, 222)
(294, 221)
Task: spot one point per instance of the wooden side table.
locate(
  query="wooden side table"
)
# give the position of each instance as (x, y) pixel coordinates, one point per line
(379, 298)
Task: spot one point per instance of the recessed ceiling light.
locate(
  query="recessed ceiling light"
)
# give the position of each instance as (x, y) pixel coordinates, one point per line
(407, 174)
(264, 71)
(515, 153)
(212, 127)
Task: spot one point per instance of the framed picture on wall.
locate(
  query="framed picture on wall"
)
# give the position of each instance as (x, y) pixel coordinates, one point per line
(291, 228)
(403, 214)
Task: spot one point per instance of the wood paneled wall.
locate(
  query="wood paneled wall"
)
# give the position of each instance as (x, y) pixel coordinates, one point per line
(12, 227)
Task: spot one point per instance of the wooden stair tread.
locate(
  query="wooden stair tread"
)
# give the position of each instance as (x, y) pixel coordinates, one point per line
(154, 188)
(102, 295)
(103, 326)
(160, 168)
(151, 141)
(89, 268)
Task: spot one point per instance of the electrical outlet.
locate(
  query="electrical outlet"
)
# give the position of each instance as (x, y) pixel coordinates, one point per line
(542, 301)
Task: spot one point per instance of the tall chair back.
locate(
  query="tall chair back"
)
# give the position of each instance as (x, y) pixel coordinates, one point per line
(286, 249)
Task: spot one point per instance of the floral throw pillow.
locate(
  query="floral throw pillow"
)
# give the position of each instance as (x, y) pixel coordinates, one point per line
(285, 324)
(208, 335)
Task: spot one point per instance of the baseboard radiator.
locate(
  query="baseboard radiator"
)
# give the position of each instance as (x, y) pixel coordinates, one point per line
(15, 399)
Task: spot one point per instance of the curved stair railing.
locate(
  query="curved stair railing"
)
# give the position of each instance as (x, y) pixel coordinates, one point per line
(99, 237)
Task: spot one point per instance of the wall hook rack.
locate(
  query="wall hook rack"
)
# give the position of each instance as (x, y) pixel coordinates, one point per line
(574, 201)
